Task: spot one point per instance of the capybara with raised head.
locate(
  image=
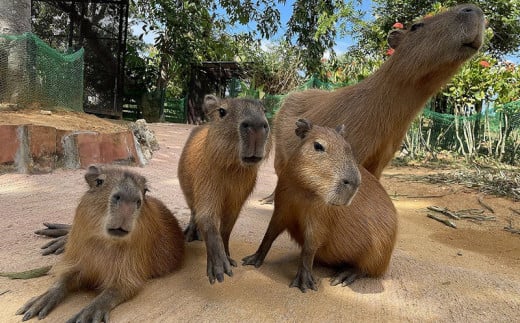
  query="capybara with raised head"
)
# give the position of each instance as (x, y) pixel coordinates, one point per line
(120, 238)
(217, 172)
(318, 202)
(377, 111)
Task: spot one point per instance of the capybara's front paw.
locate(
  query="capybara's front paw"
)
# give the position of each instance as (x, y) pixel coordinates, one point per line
(253, 260)
(95, 312)
(40, 306)
(218, 265)
(304, 281)
(346, 277)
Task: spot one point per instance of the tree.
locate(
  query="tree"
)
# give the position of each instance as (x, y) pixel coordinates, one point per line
(314, 24)
(15, 19)
(189, 32)
(502, 17)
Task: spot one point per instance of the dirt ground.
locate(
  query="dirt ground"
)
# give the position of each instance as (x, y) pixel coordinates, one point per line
(468, 274)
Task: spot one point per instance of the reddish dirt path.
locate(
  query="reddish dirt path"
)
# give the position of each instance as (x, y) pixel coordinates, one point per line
(437, 273)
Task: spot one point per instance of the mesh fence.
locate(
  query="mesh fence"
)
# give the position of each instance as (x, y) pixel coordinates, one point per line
(34, 74)
(494, 132)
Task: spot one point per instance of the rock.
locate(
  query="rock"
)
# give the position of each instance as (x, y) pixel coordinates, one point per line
(145, 138)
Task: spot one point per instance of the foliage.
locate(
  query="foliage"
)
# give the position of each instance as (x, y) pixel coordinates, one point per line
(275, 68)
(349, 68)
(502, 17)
(189, 32)
(315, 24)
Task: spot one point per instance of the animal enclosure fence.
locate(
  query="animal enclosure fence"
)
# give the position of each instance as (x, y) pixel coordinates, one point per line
(34, 74)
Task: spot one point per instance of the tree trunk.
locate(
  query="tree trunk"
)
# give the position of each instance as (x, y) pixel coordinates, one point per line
(15, 19)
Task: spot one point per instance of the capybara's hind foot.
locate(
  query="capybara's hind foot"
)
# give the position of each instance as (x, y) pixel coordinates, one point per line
(346, 276)
(304, 280)
(268, 199)
(191, 233)
(54, 230)
(253, 260)
(55, 246)
(232, 262)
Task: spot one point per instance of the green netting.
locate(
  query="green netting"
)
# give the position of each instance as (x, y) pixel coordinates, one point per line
(34, 74)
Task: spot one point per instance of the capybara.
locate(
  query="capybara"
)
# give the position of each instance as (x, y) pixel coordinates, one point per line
(312, 203)
(377, 111)
(217, 172)
(120, 238)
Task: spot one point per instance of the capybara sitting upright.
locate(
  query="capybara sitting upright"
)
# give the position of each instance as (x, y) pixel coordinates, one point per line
(120, 237)
(317, 203)
(377, 111)
(217, 172)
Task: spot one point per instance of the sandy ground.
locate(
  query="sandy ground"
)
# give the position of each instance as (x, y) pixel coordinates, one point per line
(468, 274)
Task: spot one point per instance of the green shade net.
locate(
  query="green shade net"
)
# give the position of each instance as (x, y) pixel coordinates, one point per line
(34, 74)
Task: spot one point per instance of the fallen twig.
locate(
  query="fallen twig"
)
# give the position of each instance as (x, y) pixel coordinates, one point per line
(511, 229)
(478, 217)
(424, 196)
(471, 211)
(33, 273)
(514, 211)
(4, 292)
(445, 221)
(444, 211)
(481, 202)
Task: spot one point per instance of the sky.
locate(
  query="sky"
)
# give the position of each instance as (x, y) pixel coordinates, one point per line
(342, 42)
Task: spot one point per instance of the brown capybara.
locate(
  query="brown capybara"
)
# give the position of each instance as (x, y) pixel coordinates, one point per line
(120, 238)
(318, 202)
(217, 172)
(377, 111)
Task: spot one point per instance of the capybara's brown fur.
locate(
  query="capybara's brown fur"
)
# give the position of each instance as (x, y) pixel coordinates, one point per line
(377, 111)
(120, 238)
(217, 172)
(356, 238)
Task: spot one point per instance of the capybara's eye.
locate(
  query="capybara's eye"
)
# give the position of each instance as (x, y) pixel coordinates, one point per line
(318, 146)
(222, 112)
(416, 26)
(99, 182)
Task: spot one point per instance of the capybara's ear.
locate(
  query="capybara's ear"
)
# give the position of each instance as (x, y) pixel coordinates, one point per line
(141, 181)
(394, 37)
(94, 176)
(341, 129)
(303, 126)
(210, 103)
